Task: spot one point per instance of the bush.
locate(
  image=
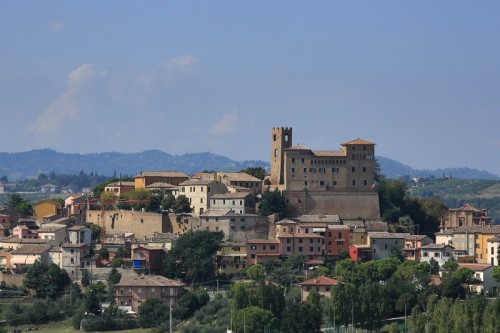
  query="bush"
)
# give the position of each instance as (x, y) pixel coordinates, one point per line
(107, 323)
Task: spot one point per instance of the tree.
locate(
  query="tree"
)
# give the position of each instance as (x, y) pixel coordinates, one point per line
(46, 281)
(297, 319)
(191, 301)
(113, 278)
(255, 320)
(271, 203)
(168, 201)
(25, 209)
(86, 278)
(92, 302)
(182, 205)
(153, 312)
(95, 232)
(271, 297)
(257, 172)
(496, 273)
(256, 272)
(103, 253)
(191, 257)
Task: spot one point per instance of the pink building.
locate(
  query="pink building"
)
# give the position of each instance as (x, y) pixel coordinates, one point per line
(23, 232)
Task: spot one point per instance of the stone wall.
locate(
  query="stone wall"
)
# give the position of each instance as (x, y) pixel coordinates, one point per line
(346, 204)
(12, 279)
(140, 223)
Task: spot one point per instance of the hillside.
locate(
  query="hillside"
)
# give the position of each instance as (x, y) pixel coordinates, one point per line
(457, 192)
(31, 163)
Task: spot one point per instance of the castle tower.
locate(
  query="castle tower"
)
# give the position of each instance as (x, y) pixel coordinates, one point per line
(281, 138)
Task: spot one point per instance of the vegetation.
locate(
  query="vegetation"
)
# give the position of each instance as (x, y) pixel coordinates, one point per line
(257, 172)
(272, 202)
(46, 281)
(191, 257)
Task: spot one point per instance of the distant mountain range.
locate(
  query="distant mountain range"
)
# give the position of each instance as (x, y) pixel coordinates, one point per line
(31, 163)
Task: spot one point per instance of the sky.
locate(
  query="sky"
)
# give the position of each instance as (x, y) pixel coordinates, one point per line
(421, 79)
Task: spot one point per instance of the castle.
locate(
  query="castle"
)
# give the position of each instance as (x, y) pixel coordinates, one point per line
(312, 182)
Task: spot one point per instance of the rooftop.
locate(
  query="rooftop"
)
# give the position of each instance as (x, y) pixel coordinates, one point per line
(358, 141)
(388, 235)
(232, 195)
(161, 174)
(132, 280)
(30, 249)
(239, 177)
(319, 218)
(199, 182)
(320, 281)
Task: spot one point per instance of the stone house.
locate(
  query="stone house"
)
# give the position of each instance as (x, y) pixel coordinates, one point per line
(384, 244)
(199, 193)
(439, 252)
(322, 284)
(238, 202)
(132, 290)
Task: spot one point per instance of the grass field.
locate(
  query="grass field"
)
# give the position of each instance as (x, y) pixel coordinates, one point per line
(66, 327)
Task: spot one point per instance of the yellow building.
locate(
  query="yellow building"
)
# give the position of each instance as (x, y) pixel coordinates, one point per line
(45, 208)
(231, 258)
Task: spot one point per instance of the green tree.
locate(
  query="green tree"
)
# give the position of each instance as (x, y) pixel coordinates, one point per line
(255, 320)
(113, 278)
(256, 172)
(496, 273)
(271, 297)
(153, 312)
(297, 319)
(256, 272)
(92, 302)
(241, 295)
(46, 281)
(95, 232)
(191, 257)
(181, 205)
(168, 201)
(103, 253)
(191, 301)
(86, 279)
(25, 208)
(271, 203)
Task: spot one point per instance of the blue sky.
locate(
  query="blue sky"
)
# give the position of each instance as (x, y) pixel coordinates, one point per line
(419, 78)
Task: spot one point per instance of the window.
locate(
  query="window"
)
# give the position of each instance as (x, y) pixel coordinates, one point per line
(300, 240)
(353, 182)
(302, 160)
(311, 241)
(208, 189)
(253, 247)
(365, 182)
(139, 289)
(426, 254)
(293, 159)
(364, 169)
(272, 247)
(153, 289)
(300, 248)
(385, 247)
(288, 240)
(288, 249)
(305, 170)
(293, 169)
(353, 169)
(311, 249)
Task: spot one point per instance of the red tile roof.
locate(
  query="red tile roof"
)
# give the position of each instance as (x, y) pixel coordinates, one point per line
(320, 281)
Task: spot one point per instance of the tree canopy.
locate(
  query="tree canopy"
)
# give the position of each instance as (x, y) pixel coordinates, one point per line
(191, 257)
(272, 202)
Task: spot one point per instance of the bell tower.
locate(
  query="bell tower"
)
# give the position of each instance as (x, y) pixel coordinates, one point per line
(281, 138)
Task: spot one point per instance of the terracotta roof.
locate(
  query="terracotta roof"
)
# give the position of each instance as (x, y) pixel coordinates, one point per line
(30, 249)
(475, 267)
(216, 212)
(436, 246)
(16, 240)
(320, 281)
(51, 228)
(161, 174)
(239, 177)
(376, 226)
(120, 183)
(198, 182)
(263, 241)
(286, 221)
(71, 245)
(494, 239)
(231, 195)
(301, 235)
(334, 218)
(358, 141)
(162, 185)
(133, 280)
(387, 235)
(416, 237)
(297, 147)
(329, 153)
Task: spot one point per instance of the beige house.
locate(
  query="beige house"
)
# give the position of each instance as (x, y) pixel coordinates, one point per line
(79, 234)
(28, 255)
(72, 258)
(120, 187)
(238, 202)
(134, 289)
(240, 180)
(384, 244)
(199, 193)
(52, 231)
(322, 284)
(14, 242)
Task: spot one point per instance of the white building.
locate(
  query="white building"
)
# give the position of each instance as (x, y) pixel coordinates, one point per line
(439, 252)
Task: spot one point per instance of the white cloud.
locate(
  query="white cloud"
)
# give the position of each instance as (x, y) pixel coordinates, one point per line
(227, 125)
(64, 107)
(181, 63)
(56, 26)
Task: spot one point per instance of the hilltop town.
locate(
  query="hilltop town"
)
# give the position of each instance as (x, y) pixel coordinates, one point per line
(322, 230)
